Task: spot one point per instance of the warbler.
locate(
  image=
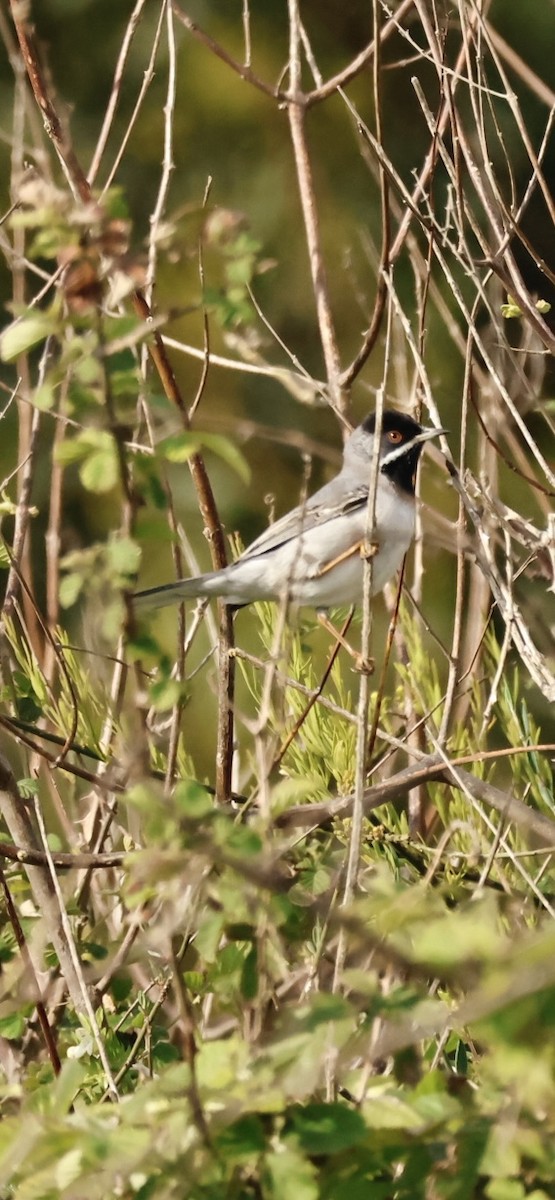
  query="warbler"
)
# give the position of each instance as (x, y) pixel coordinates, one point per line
(314, 555)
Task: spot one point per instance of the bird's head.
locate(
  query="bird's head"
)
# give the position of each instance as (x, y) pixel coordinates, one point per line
(401, 442)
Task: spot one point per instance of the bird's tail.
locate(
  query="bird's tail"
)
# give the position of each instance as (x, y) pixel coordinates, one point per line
(183, 589)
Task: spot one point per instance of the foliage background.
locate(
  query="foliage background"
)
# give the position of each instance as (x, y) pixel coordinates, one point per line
(289, 1002)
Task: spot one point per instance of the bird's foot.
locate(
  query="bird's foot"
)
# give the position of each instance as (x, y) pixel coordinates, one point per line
(368, 550)
(364, 666)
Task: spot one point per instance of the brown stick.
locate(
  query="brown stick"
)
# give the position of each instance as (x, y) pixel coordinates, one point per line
(427, 770)
(296, 111)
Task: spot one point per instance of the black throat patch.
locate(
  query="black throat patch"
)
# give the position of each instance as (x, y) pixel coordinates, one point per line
(402, 471)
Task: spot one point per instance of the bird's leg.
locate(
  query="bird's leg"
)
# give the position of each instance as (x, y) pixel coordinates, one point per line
(367, 550)
(364, 665)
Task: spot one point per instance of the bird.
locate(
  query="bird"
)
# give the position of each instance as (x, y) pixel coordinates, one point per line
(314, 555)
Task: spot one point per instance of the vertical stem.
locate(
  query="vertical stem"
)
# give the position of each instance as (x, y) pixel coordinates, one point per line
(296, 111)
(366, 635)
(28, 418)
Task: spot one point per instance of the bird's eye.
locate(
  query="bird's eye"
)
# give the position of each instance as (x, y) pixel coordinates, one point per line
(395, 436)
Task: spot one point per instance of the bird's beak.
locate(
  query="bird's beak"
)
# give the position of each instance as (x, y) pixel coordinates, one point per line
(428, 433)
(400, 451)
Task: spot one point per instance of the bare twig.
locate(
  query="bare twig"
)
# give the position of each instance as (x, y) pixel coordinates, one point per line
(374, 326)
(296, 110)
(429, 769)
(242, 69)
(115, 93)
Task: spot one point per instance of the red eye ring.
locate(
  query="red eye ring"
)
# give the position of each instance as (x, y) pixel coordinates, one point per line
(395, 436)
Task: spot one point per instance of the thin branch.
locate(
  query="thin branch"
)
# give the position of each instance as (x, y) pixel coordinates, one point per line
(64, 861)
(290, 737)
(360, 61)
(296, 111)
(374, 327)
(430, 769)
(147, 79)
(52, 123)
(242, 69)
(115, 93)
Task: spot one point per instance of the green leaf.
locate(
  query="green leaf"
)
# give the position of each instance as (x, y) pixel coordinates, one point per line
(92, 951)
(67, 1085)
(164, 694)
(99, 472)
(25, 333)
(221, 1064)
(193, 800)
(240, 273)
(115, 204)
(209, 936)
(143, 644)
(12, 1027)
(323, 1008)
(326, 1128)
(153, 491)
(8, 508)
(113, 616)
(390, 1109)
(85, 366)
(164, 1052)
(181, 446)
(68, 1168)
(28, 788)
(510, 309)
(95, 449)
(242, 841)
(70, 589)
(119, 327)
(72, 450)
(44, 396)
(249, 974)
(124, 382)
(83, 399)
(244, 1139)
(124, 555)
(290, 1176)
(505, 1189)
(453, 937)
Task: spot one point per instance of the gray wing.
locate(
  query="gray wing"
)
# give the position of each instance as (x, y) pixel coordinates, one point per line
(329, 502)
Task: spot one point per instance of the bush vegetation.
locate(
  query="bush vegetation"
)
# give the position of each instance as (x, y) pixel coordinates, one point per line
(272, 928)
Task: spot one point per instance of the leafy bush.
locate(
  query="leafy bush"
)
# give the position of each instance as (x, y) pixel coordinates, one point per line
(271, 927)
